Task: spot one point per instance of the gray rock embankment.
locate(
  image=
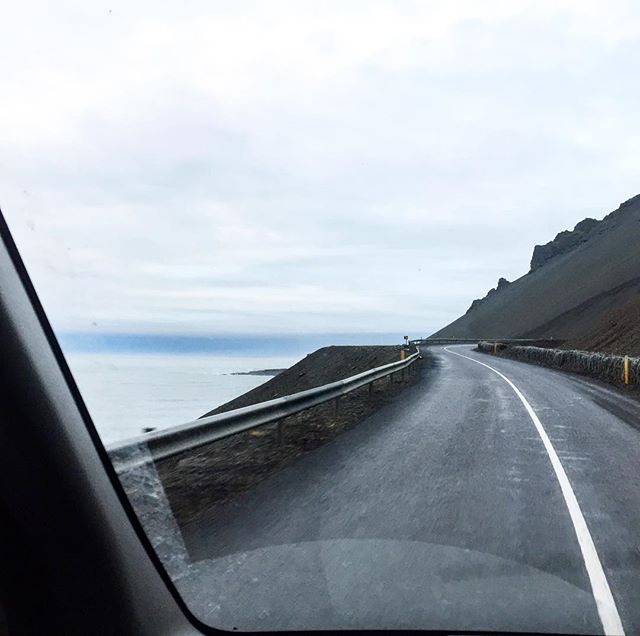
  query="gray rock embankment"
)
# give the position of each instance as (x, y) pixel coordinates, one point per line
(199, 480)
(600, 366)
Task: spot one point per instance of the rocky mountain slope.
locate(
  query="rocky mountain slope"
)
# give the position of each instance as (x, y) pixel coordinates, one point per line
(574, 283)
(617, 332)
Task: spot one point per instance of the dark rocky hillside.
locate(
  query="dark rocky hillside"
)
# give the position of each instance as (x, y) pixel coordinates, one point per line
(574, 283)
(618, 332)
(325, 365)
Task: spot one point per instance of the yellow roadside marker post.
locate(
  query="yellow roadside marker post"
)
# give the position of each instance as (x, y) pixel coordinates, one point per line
(626, 369)
(495, 347)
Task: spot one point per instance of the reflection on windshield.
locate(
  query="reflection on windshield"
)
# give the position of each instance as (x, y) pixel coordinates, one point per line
(351, 292)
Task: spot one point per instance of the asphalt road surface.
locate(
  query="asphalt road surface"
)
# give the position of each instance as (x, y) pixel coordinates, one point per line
(447, 509)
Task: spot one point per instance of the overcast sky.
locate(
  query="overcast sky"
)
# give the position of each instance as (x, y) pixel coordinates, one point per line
(202, 167)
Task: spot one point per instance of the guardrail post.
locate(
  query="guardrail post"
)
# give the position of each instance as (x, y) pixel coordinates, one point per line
(280, 433)
(336, 411)
(370, 389)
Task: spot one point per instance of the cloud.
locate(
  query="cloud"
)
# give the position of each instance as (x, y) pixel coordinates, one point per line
(302, 166)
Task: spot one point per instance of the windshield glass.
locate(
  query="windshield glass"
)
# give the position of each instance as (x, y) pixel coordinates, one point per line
(258, 230)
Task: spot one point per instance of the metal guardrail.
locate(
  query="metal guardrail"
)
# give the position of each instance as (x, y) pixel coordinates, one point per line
(452, 341)
(441, 341)
(177, 439)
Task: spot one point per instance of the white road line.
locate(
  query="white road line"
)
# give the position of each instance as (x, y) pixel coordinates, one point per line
(607, 610)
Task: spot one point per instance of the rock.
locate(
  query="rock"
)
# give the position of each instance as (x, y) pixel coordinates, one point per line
(562, 243)
(502, 284)
(631, 202)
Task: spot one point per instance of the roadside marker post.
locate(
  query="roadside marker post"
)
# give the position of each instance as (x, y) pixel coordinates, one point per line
(626, 369)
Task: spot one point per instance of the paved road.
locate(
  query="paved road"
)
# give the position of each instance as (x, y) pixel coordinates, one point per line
(441, 511)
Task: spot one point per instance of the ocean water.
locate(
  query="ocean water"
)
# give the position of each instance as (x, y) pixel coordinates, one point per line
(126, 392)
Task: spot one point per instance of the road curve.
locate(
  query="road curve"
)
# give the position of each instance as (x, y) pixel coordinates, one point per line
(440, 511)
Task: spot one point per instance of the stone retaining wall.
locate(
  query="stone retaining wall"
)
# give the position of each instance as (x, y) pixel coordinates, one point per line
(597, 365)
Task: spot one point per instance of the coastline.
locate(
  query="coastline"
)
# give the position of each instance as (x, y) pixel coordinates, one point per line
(267, 372)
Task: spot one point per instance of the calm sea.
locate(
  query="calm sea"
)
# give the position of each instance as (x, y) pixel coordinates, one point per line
(127, 392)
